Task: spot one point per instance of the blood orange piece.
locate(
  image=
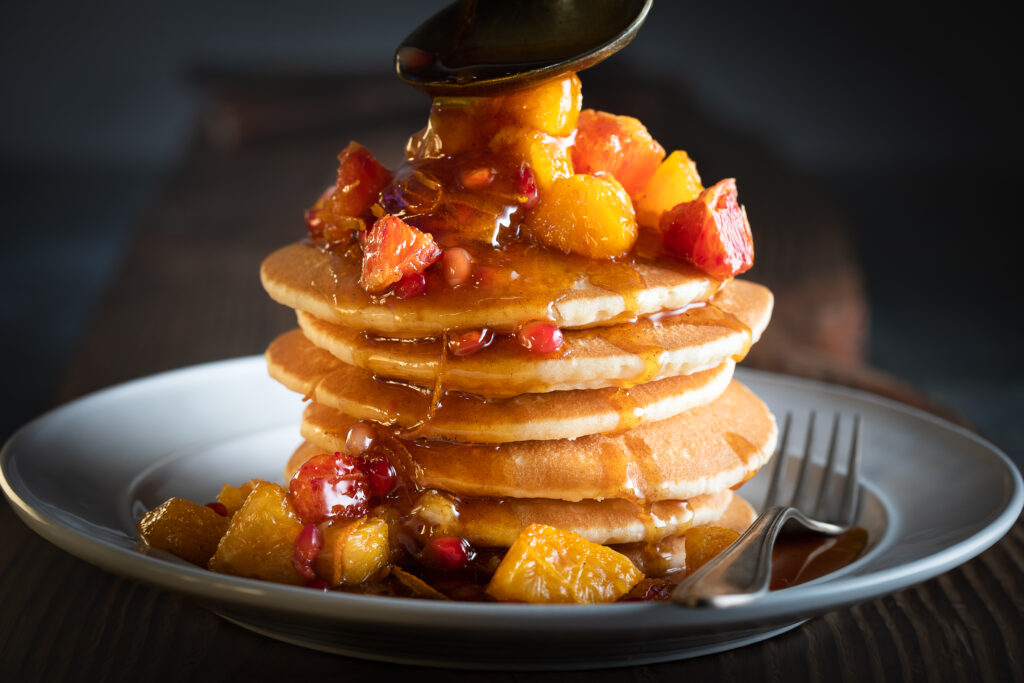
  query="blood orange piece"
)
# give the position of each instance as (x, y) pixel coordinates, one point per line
(712, 231)
(392, 250)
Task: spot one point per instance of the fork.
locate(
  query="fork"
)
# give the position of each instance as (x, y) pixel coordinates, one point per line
(741, 573)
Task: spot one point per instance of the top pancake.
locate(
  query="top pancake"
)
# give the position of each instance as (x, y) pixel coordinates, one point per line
(526, 283)
(617, 356)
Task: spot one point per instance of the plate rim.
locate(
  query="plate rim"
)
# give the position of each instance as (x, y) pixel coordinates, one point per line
(220, 589)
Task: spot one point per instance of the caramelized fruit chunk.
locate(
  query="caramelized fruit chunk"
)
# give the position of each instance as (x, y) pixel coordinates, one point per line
(394, 250)
(675, 181)
(353, 552)
(232, 498)
(547, 565)
(185, 529)
(360, 180)
(260, 542)
(585, 214)
(545, 155)
(552, 107)
(329, 486)
(712, 232)
(704, 542)
(619, 145)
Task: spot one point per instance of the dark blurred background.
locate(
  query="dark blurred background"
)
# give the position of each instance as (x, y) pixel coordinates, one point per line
(888, 131)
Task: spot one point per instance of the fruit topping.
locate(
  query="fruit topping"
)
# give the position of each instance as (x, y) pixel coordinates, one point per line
(218, 508)
(712, 231)
(393, 250)
(260, 541)
(675, 181)
(468, 343)
(545, 155)
(458, 266)
(328, 487)
(526, 186)
(232, 498)
(448, 553)
(183, 528)
(704, 543)
(307, 547)
(552, 107)
(353, 552)
(381, 476)
(585, 214)
(476, 178)
(619, 145)
(540, 337)
(359, 438)
(546, 564)
(360, 180)
(411, 286)
(650, 590)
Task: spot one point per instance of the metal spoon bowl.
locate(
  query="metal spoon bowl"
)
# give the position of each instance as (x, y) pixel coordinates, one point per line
(483, 47)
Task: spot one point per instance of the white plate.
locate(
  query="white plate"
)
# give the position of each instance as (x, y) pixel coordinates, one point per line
(935, 496)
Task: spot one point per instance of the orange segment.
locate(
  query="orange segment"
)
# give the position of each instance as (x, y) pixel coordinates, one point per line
(353, 553)
(552, 107)
(548, 565)
(183, 528)
(259, 543)
(548, 158)
(585, 214)
(704, 542)
(675, 181)
(232, 498)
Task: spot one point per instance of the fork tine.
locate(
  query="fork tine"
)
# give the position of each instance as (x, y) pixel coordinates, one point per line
(805, 464)
(771, 499)
(851, 491)
(830, 465)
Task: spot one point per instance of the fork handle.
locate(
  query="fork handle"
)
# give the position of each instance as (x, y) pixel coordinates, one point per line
(742, 572)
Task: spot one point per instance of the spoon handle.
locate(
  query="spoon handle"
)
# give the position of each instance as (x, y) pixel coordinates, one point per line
(742, 572)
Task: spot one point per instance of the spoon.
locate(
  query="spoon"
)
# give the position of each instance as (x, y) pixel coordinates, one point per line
(483, 47)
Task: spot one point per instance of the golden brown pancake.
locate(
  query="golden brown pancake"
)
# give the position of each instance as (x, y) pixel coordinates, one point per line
(311, 371)
(569, 291)
(618, 356)
(703, 450)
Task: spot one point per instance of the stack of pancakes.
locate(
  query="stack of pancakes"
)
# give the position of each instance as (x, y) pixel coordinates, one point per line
(630, 433)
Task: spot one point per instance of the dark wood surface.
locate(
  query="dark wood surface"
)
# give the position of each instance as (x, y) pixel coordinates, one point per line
(187, 292)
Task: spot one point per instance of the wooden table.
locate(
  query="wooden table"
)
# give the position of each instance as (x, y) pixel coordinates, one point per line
(188, 292)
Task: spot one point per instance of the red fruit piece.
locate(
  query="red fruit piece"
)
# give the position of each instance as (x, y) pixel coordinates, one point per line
(411, 286)
(360, 179)
(307, 546)
(329, 486)
(470, 342)
(526, 186)
(392, 250)
(218, 508)
(380, 475)
(712, 231)
(619, 145)
(540, 337)
(447, 552)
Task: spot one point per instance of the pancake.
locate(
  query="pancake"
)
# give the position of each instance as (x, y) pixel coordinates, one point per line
(522, 283)
(703, 450)
(618, 356)
(311, 371)
(495, 522)
(669, 554)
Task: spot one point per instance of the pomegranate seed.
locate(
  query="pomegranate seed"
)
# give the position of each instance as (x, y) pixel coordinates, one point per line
(476, 178)
(218, 508)
(458, 266)
(360, 437)
(411, 286)
(380, 475)
(470, 342)
(526, 186)
(448, 553)
(318, 584)
(540, 337)
(307, 547)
